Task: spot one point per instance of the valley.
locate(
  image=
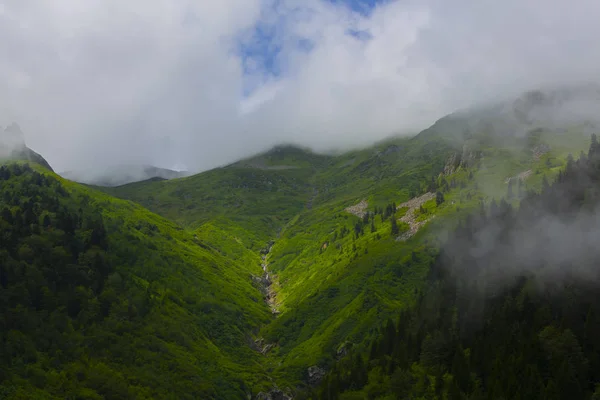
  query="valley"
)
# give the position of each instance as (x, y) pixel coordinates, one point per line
(261, 279)
(333, 273)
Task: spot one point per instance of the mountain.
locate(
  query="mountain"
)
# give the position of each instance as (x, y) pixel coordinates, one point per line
(383, 271)
(335, 274)
(121, 175)
(12, 147)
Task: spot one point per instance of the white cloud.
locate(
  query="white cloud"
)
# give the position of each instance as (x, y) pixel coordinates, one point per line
(123, 81)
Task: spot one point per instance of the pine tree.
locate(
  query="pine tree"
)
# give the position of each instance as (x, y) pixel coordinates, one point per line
(593, 147)
(439, 198)
(545, 185)
(7, 215)
(432, 185)
(395, 229)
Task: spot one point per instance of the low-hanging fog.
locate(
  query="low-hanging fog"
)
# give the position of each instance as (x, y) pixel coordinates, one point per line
(198, 84)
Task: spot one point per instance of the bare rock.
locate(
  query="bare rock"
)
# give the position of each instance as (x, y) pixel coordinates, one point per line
(315, 375)
(539, 150)
(273, 394)
(452, 164)
(468, 157)
(410, 218)
(359, 209)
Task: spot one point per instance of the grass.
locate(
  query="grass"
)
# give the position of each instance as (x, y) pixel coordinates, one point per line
(333, 286)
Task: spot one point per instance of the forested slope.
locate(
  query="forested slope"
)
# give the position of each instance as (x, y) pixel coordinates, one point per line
(510, 310)
(271, 273)
(336, 274)
(102, 299)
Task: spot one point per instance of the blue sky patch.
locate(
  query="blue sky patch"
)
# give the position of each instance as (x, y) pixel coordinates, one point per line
(262, 52)
(363, 7)
(261, 56)
(363, 36)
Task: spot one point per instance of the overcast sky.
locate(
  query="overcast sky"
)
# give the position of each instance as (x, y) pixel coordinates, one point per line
(201, 83)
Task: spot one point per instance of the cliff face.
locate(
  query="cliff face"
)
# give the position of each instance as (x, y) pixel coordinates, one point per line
(466, 159)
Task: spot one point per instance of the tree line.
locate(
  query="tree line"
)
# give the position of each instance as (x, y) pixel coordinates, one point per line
(497, 319)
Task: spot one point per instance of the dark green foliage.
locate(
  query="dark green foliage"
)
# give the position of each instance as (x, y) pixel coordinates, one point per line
(523, 335)
(45, 268)
(395, 230)
(180, 307)
(439, 198)
(102, 299)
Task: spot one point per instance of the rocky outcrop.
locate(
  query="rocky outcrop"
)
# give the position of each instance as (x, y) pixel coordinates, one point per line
(410, 218)
(274, 394)
(262, 346)
(359, 209)
(12, 138)
(539, 150)
(452, 164)
(315, 375)
(467, 158)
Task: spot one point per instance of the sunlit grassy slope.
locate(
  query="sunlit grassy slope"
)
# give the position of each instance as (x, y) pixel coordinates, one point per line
(334, 287)
(339, 293)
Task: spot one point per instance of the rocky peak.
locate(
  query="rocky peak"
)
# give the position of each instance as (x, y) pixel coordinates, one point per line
(12, 138)
(12, 146)
(13, 128)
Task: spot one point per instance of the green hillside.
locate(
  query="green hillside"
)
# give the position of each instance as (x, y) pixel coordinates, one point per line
(103, 299)
(518, 320)
(267, 275)
(336, 276)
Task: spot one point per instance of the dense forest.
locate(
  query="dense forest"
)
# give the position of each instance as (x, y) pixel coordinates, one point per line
(100, 299)
(511, 308)
(103, 299)
(44, 306)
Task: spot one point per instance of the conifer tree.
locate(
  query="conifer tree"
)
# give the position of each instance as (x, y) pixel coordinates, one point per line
(439, 198)
(395, 229)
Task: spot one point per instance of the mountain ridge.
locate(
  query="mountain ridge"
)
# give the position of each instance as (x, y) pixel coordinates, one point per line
(320, 254)
(122, 174)
(289, 239)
